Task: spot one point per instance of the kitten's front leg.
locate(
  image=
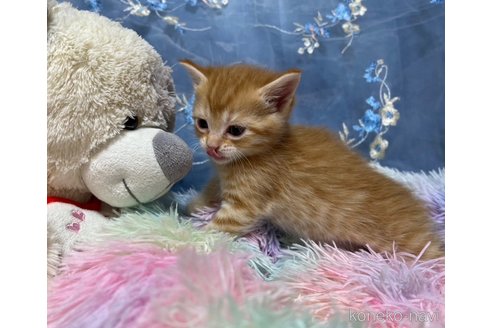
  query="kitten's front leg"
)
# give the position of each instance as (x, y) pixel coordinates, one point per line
(233, 220)
(208, 197)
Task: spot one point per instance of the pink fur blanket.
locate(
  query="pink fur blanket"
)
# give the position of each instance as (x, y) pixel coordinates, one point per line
(154, 268)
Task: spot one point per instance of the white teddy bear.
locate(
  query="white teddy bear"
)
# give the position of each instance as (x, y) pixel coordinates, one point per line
(111, 110)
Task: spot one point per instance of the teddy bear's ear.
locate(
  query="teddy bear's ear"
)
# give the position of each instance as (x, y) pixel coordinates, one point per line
(51, 5)
(197, 73)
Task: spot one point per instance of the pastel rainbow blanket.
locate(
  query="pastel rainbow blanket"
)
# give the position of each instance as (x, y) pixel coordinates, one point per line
(156, 268)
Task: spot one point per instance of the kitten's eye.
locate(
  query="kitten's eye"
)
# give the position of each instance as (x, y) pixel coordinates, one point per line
(131, 123)
(202, 124)
(236, 130)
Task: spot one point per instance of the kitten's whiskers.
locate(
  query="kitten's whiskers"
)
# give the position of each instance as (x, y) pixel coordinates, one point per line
(242, 158)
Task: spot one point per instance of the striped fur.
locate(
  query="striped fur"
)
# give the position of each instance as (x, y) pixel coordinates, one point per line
(304, 180)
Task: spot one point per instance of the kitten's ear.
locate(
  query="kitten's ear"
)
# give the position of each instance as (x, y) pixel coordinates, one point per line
(281, 91)
(195, 71)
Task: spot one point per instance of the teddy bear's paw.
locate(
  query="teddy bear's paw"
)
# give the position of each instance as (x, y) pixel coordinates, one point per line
(54, 252)
(67, 226)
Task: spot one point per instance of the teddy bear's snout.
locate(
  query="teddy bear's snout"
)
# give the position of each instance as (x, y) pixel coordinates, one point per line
(173, 155)
(137, 166)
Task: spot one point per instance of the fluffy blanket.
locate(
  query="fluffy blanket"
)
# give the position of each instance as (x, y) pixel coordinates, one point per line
(155, 268)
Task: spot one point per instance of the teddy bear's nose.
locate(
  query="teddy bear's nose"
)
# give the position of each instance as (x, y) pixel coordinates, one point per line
(173, 155)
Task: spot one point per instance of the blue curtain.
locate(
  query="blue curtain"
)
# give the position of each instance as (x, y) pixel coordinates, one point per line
(337, 78)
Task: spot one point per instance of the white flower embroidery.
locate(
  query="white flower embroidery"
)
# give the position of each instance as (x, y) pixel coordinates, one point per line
(357, 8)
(389, 113)
(350, 28)
(312, 34)
(378, 147)
(171, 20)
(309, 46)
(218, 4)
(378, 118)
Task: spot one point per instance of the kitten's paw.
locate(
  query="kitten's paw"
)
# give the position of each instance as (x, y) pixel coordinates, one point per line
(198, 204)
(219, 225)
(212, 227)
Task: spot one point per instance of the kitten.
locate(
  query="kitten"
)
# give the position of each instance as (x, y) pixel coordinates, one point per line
(304, 180)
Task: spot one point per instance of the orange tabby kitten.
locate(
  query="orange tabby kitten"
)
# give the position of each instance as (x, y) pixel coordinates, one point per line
(304, 180)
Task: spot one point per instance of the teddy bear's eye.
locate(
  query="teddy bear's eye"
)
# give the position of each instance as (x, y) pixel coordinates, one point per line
(131, 123)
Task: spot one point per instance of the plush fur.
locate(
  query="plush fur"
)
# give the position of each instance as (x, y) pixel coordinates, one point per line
(125, 285)
(159, 227)
(328, 280)
(154, 268)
